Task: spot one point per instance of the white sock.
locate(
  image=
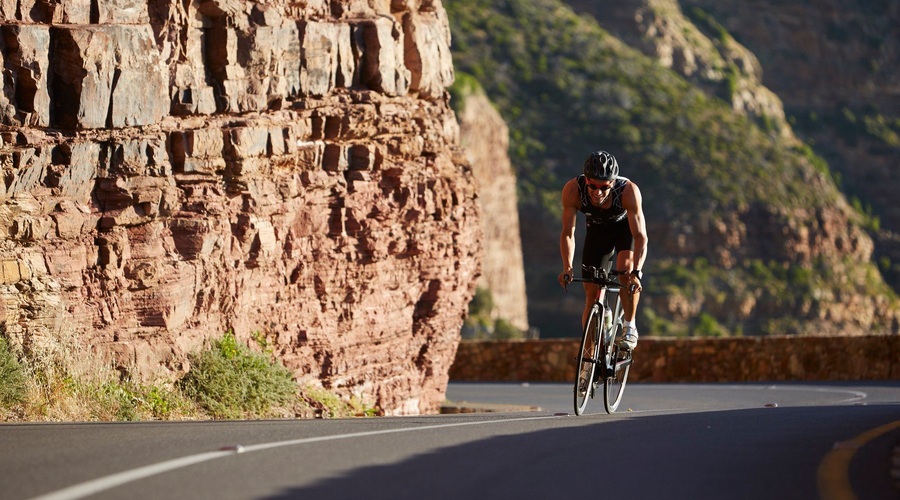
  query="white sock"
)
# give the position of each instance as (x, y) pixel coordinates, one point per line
(629, 324)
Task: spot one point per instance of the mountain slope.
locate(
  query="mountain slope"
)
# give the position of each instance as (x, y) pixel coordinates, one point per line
(748, 232)
(833, 63)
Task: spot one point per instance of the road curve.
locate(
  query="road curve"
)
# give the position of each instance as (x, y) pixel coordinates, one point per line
(667, 441)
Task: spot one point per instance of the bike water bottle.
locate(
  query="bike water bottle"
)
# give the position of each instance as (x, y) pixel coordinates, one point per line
(607, 319)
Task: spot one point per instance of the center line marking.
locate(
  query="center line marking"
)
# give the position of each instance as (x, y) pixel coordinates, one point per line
(833, 475)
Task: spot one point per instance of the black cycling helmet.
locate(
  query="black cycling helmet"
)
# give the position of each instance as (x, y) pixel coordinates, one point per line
(602, 166)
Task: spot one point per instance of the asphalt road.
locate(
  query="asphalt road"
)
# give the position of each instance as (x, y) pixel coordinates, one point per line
(791, 441)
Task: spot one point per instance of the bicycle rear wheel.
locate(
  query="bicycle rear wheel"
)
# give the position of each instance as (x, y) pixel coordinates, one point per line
(587, 360)
(614, 384)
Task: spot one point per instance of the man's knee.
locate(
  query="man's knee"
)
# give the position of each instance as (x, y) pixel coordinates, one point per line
(624, 260)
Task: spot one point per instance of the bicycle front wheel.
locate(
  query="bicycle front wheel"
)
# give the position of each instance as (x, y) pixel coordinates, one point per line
(614, 384)
(587, 360)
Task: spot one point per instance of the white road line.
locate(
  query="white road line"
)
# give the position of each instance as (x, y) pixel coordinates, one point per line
(855, 395)
(104, 483)
(95, 486)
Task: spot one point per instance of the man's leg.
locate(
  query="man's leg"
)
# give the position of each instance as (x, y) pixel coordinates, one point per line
(624, 261)
(630, 300)
(590, 295)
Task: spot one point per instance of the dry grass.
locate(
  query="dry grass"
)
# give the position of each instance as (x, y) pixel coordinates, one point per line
(59, 379)
(65, 381)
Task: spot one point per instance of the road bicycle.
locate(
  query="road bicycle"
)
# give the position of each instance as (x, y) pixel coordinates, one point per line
(600, 359)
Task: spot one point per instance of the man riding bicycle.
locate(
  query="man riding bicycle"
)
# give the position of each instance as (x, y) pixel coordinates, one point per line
(615, 225)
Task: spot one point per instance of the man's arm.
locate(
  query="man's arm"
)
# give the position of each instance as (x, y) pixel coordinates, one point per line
(633, 204)
(570, 202)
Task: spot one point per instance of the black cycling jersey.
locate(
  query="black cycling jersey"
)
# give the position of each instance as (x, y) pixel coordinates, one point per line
(608, 231)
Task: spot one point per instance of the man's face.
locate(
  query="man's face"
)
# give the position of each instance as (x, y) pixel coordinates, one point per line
(598, 190)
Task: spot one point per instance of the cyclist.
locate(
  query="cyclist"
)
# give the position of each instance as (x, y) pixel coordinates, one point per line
(615, 226)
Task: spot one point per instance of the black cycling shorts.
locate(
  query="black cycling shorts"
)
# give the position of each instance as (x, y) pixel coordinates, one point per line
(603, 242)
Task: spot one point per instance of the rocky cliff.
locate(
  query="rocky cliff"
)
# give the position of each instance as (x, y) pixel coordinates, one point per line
(175, 169)
(485, 139)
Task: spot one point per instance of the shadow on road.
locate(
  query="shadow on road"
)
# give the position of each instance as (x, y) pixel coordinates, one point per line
(768, 453)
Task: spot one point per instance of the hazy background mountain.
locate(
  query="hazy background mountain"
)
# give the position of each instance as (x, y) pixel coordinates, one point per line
(750, 231)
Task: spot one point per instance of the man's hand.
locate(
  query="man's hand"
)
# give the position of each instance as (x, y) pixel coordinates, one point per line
(565, 278)
(634, 284)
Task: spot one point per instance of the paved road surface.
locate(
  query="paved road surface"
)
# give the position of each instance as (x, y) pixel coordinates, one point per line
(791, 441)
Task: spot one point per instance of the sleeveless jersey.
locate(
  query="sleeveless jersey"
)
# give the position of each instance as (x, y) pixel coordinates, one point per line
(597, 216)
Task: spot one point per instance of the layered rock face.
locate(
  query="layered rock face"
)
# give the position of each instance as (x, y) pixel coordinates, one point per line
(284, 169)
(485, 139)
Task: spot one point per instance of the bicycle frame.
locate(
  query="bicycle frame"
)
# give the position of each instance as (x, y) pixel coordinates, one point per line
(605, 358)
(608, 299)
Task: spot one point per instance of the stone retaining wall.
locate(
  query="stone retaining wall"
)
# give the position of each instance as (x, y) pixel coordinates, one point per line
(738, 359)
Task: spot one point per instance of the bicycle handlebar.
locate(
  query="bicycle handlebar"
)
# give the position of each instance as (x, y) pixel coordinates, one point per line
(600, 277)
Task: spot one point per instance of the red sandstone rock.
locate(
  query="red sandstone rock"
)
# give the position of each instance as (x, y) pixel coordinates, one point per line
(485, 139)
(288, 169)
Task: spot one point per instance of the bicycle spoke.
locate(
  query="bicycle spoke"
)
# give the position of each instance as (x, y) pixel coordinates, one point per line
(614, 384)
(586, 363)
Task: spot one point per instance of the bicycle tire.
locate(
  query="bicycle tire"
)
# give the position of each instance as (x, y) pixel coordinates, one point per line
(614, 383)
(586, 366)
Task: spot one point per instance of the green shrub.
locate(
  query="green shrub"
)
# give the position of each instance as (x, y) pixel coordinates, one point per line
(463, 86)
(12, 377)
(707, 326)
(231, 381)
(482, 302)
(707, 23)
(164, 403)
(505, 330)
(481, 324)
(327, 404)
(108, 400)
(886, 130)
(116, 400)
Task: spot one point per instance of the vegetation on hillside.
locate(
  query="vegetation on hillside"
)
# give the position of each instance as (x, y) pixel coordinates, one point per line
(227, 380)
(567, 87)
(481, 322)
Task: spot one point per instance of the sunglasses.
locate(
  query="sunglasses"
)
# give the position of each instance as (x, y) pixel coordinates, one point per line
(599, 187)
